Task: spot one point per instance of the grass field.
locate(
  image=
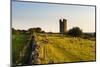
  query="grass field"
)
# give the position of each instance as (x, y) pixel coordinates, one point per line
(55, 48)
(19, 41)
(59, 49)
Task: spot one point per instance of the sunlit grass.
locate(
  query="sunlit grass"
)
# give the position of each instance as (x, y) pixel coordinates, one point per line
(54, 48)
(61, 49)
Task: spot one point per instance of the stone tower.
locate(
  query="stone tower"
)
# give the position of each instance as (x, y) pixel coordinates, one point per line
(63, 25)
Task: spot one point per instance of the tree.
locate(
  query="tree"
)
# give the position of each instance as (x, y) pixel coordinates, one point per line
(30, 30)
(23, 31)
(13, 31)
(38, 29)
(42, 31)
(75, 32)
(18, 31)
(94, 34)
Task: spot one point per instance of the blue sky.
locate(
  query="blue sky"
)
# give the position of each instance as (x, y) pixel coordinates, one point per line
(28, 15)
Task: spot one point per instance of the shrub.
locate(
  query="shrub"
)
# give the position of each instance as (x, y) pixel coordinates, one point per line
(75, 32)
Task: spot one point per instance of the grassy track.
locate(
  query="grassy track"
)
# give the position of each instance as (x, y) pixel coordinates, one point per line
(61, 49)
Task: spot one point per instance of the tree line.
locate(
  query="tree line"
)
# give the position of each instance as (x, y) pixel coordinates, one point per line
(74, 32)
(77, 32)
(29, 31)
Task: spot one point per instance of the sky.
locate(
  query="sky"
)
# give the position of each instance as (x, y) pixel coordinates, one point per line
(27, 15)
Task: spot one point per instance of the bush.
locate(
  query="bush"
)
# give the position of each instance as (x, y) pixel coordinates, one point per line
(90, 36)
(75, 32)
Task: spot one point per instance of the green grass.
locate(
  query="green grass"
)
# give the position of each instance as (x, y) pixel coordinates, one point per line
(61, 49)
(19, 41)
(54, 48)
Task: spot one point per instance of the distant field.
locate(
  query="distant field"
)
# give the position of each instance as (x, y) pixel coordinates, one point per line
(55, 48)
(59, 49)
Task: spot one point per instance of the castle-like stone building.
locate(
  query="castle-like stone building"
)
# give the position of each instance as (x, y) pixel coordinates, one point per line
(63, 25)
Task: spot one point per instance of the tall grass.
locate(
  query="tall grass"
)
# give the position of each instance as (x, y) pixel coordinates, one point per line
(19, 41)
(54, 48)
(61, 49)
